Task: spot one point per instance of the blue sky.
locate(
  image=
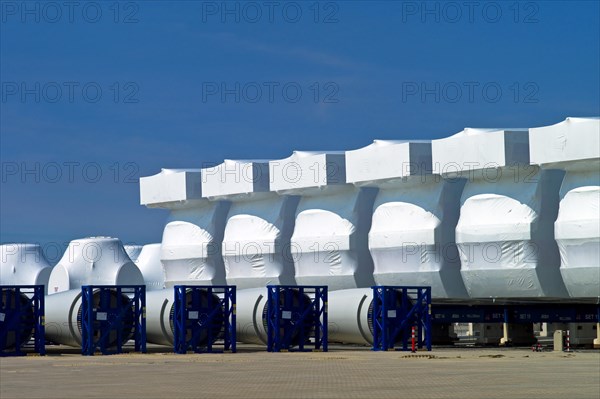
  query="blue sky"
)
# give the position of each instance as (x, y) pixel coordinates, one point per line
(96, 94)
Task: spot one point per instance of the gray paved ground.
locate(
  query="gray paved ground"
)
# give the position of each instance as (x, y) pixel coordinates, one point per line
(341, 373)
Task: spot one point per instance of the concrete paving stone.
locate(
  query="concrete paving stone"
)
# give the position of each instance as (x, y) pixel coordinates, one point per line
(341, 373)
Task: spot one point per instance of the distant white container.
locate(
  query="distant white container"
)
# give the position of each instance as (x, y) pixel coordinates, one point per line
(23, 264)
(192, 237)
(414, 216)
(256, 241)
(329, 245)
(504, 233)
(574, 146)
(94, 261)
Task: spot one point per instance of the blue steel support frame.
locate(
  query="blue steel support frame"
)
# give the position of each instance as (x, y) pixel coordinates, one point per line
(106, 318)
(203, 319)
(16, 318)
(292, 326)
(396, 309)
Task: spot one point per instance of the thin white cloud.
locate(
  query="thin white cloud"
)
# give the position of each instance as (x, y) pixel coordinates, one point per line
(298, 53)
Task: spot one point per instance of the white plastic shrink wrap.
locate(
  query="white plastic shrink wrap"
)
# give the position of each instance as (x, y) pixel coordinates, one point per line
(256, 248)
(192, 237)
(329, 244)
(133, 251)
(256, 243)
(414, 216)
(151, 267)
(191, 246)
(574, 146)
(412, 237)
(508, 207)
(94, 261)
(23, 264)
(348, 316)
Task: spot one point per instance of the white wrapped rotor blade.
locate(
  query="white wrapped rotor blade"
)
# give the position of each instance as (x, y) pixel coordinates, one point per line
(63, 318)
(348, 316)
(504, 234)
(577, 232)
(414, 216)
(191, 246)
(256, 240)
(573, 145)
(160, 328)
(133, 251)
(94, 261)
(505, 237)
(159, 310)
(23, 264)
(61, 312)
(256, 245)
(329, 244)
(251, 305)
(330, 240)
(150, 265)
(193, 234)
(251, 314)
